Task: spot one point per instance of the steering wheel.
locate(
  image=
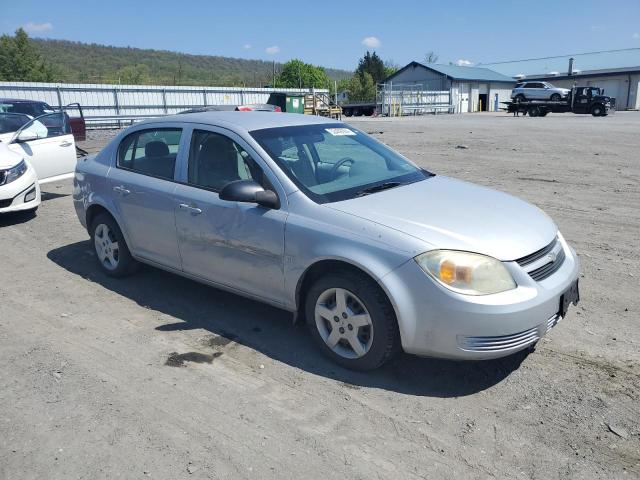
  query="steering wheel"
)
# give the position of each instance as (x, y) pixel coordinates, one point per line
(334, 170)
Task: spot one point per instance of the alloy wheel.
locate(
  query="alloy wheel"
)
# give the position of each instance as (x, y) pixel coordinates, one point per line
(106, 245)
(344, 323)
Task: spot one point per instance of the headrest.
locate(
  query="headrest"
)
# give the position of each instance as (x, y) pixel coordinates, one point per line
(156, 149)
(217, 147)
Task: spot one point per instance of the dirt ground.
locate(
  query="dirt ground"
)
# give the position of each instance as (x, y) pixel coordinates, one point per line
(157, 376)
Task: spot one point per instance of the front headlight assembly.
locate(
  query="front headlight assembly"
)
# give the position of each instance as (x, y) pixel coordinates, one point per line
(465, 272)
(15, 172)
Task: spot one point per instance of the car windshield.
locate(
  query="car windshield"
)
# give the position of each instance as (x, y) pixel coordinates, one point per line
(333, 162)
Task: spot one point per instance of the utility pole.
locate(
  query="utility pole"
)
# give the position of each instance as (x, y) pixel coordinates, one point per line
(273, 84)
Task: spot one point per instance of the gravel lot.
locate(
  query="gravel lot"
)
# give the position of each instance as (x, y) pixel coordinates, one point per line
(157, 376)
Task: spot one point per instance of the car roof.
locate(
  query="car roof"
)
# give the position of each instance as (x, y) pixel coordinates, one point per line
(20, 100)
(243, 120)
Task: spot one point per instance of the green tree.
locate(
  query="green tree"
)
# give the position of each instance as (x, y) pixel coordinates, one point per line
(138, 74)
(372, 64)
(21, 61)
(297, 74)
(390, 67)
(361, 88)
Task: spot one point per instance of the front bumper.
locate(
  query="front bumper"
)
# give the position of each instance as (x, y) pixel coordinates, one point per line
(12, 195)
(437, 322)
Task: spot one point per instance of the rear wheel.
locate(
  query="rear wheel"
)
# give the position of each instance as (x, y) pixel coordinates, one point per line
(111, 248)
(352, 320)
(520, 98)
(534, 111)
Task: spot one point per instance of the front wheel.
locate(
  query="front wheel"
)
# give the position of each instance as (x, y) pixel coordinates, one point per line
(556, 97)
(352, 320)
(597, 111)
(111, 248)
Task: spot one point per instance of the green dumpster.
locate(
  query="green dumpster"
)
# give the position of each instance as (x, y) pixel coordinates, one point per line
(295, 104)
(290, 103)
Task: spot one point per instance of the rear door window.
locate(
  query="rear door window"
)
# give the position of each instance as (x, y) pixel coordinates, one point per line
(151, 152)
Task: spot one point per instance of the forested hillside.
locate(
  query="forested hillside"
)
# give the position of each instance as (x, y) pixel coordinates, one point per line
(92, 63)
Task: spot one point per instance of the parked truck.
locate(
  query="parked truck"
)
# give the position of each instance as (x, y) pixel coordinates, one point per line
(580, 100)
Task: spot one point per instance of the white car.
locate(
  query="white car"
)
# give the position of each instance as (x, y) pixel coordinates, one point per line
(42, 150)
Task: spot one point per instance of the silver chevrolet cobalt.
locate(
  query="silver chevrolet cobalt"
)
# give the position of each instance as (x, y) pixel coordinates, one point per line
(318, 218)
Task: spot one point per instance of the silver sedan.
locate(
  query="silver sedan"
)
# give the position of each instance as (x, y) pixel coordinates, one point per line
(374, 253)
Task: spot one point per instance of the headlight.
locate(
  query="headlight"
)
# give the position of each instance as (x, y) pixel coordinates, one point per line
(15, 172)
(468, 273)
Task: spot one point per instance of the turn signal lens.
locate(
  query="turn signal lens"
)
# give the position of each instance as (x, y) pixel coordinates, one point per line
(465, 272)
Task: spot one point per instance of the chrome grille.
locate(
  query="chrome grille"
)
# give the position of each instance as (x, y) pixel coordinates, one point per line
(548, 269)
(545, 262)
(553, 321)
(499, 343)
(537, 255)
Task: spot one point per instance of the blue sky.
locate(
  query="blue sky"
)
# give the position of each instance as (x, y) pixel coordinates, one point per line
(337, 33)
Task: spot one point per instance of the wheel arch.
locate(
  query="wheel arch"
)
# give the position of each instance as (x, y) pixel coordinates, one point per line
(326, 265)
(96, 209)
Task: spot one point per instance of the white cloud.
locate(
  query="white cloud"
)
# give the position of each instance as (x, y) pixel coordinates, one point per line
(597, 28)
(464, 63)
(272, 50)
(636, 36)
(246, 46)
(371, 42)
(32, 27)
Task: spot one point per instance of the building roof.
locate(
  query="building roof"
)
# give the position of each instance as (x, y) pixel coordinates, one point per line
(583, 63)
(457, 72)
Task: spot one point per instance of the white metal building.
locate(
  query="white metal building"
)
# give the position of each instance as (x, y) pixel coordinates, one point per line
(471, 89)
(617, 71)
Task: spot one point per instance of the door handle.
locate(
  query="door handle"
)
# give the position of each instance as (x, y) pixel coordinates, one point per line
(66, 144)
(192, 209)
(121, 190)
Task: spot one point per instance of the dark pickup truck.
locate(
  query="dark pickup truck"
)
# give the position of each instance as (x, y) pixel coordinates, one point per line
(35, 108)
(580, 100)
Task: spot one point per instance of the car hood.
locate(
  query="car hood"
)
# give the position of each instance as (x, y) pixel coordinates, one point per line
(8, 158)
(452, 214)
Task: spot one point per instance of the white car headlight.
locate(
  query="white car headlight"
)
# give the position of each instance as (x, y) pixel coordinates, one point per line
(467, 273)
(15, 172)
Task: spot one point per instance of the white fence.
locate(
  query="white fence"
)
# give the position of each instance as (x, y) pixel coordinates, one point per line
(105, 104)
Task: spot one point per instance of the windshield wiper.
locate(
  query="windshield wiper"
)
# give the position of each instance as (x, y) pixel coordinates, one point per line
(377, 188)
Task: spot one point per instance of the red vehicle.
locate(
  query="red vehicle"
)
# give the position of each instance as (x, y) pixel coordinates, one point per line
(35, 108)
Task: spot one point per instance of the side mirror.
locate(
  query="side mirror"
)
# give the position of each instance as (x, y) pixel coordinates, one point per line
(248, 191)
(26, 136)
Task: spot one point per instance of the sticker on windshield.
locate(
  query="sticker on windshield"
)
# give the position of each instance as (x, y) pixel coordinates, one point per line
(338, 132)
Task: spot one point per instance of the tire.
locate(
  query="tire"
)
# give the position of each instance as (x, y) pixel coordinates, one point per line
(111, 249)
(366, 303)
(597, 111)
(520, 98)
(556, 97)
(534, 111)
